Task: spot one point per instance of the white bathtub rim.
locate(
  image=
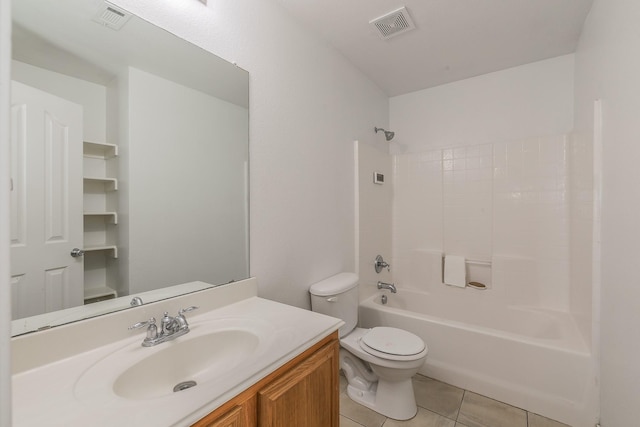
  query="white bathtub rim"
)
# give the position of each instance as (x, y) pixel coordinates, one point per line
(579, 346)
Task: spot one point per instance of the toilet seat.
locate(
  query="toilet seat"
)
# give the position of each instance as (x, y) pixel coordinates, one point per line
(393, 344)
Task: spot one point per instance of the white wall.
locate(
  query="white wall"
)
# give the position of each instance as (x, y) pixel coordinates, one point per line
(514, 104)
(608, 68)
(176, 133)
(91, 96)
(307, 106)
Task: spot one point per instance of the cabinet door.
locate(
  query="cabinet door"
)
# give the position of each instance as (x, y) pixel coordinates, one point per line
(233, 418)
(242, 414)
(305, 396)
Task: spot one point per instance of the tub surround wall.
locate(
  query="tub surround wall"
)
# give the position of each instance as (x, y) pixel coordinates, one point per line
(504, 203)
(581, 223)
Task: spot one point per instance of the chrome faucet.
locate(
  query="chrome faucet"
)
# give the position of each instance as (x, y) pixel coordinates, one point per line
(390, 286)
(170, 327)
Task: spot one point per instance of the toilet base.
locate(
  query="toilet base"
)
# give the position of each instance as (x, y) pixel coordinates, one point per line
(386, 390)
(393, 400)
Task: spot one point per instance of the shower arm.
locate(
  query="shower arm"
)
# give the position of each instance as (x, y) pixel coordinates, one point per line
(387, 133)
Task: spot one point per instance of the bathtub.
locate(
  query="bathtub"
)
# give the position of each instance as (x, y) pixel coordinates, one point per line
(530, 358)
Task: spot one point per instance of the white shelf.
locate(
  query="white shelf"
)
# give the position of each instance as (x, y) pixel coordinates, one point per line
(110, 184)
(100, 150)
(96, 248)
(109, 217)
(98, 292)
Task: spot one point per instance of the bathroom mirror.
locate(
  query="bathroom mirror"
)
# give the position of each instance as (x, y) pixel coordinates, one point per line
(138, 182)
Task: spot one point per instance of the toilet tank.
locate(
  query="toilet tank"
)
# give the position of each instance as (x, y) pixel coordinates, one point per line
(337, 296)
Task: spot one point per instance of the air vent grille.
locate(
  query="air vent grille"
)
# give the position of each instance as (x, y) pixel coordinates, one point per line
(111, 16)
(393, 23)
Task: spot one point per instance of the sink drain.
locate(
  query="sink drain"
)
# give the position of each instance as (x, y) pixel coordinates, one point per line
(184, 385)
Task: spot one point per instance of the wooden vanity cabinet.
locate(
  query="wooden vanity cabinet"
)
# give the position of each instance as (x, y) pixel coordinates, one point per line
(303, 392)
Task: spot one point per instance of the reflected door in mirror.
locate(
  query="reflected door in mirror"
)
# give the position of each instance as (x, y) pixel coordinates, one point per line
(46, 202)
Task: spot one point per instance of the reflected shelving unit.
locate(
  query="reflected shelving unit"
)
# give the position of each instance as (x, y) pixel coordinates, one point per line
(100, 219)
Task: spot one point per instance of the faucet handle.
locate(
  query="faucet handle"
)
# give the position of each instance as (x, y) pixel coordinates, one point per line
(186, 310)
(182, 321)
(152, 331)
(150, 322)
(380, 264)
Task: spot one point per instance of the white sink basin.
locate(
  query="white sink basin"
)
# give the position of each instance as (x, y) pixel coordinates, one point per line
(206, 354)
(198, 359)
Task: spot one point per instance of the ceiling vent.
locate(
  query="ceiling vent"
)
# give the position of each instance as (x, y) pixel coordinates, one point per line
(111, 16)
(393, 23)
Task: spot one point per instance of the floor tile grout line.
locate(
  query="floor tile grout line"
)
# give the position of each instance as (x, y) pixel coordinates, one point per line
(464, 393)
(438, 413)
(349, 418)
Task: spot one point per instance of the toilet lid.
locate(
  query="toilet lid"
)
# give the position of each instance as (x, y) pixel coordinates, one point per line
(393, 341)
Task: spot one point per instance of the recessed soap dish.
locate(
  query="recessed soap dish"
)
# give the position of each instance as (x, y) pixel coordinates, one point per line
(477, 285)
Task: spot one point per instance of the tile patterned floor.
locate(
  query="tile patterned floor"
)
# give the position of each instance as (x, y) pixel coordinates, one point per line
(443, 405)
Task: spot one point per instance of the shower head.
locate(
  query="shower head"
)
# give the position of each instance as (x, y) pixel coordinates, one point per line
(387, 133)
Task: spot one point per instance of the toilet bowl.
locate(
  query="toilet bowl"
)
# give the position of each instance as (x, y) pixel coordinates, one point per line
(380, 381)
(378, 363)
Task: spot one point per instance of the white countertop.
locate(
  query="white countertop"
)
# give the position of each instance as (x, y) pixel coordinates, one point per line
(57, 393)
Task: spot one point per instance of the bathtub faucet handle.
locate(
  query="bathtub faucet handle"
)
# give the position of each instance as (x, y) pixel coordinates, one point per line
(380, 264)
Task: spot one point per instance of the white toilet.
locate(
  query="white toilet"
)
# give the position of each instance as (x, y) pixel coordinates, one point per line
(378, 363)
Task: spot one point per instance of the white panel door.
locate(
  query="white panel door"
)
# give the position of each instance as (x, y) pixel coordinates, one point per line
(46, 202)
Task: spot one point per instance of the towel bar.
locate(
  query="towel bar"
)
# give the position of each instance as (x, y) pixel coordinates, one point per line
(475, 262)
(478, 262)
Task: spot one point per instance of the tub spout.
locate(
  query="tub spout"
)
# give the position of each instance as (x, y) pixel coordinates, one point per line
(390, 286)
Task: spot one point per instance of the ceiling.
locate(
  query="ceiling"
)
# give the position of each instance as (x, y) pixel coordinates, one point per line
(453, 39)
